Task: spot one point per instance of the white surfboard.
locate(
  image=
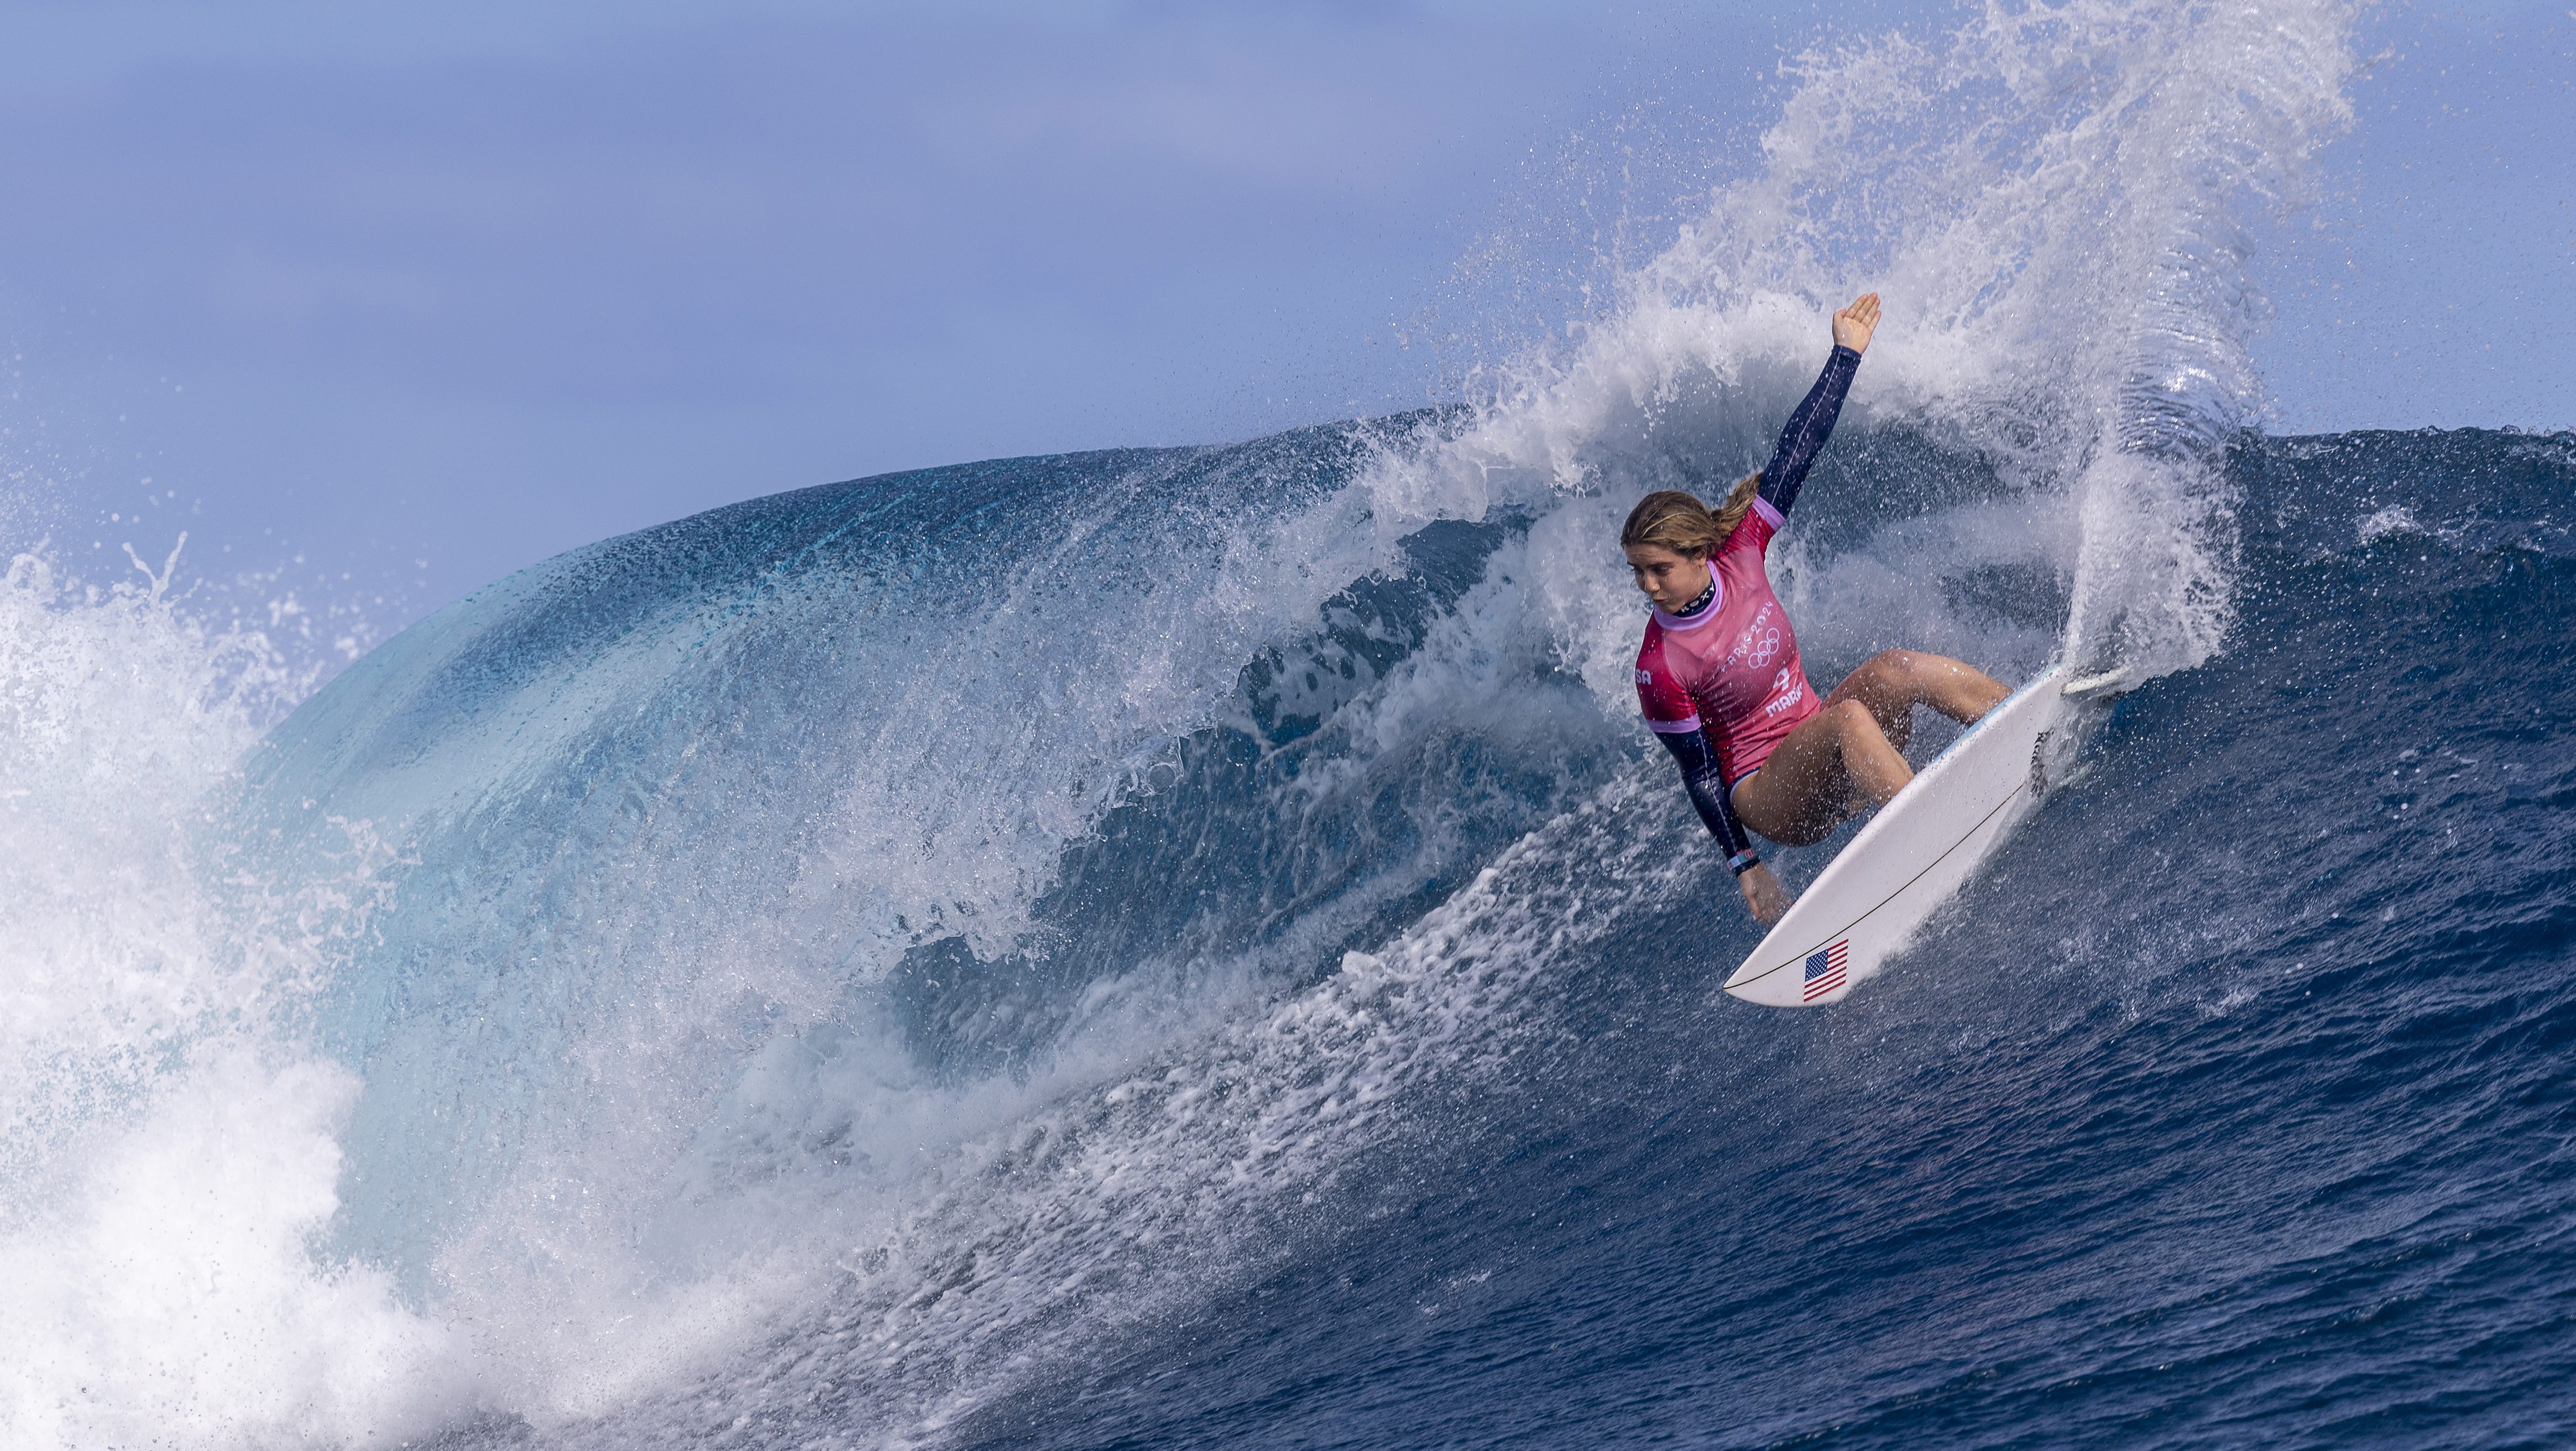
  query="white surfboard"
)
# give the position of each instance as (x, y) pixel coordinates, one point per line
(1922, 846)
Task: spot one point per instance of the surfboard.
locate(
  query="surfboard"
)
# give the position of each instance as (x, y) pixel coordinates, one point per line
(1922, 846)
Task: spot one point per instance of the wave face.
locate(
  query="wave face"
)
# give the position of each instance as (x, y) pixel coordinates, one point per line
(1191, 946)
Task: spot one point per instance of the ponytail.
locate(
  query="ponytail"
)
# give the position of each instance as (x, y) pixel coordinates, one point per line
(1681, 523)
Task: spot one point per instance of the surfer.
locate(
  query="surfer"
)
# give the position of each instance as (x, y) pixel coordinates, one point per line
(1719, 676)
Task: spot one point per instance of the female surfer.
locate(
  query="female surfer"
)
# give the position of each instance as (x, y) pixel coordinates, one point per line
(1719, 676)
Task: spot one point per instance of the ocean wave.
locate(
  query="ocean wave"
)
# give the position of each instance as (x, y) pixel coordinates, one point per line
(1173, 946)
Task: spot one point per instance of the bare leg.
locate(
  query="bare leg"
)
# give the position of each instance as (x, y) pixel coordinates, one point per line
(1892, 682)
(1855, 746)
(1798, 796)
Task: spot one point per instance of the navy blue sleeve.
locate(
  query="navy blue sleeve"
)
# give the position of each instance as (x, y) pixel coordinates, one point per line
(1808, 429)
(1707, 788)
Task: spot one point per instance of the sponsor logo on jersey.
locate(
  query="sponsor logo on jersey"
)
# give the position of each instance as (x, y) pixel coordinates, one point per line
(1797, 692)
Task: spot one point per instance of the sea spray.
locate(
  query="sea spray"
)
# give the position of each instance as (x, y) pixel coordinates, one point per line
(2054, 202)
(170, 1150)
(121, 719)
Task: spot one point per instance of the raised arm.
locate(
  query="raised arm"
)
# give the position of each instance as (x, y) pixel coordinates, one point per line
(1813, 422)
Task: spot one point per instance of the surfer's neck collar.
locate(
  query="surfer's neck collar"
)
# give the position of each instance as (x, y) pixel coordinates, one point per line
(1699, 611)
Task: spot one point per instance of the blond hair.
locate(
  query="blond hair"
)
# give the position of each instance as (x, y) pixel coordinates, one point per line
(1681, 523)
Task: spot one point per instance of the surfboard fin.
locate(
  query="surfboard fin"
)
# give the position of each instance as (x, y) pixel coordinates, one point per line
(2101, 685)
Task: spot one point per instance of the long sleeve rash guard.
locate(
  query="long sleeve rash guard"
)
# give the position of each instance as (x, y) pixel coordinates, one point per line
(1678, 723)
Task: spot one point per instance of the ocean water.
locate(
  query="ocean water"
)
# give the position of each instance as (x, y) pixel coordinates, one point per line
(1191, 947)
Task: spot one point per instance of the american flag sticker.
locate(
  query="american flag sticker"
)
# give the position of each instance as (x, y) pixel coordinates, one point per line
(1825, 970)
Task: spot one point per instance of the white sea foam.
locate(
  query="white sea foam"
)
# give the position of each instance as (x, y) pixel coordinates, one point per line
(167, 1293)
(168, 1154)
(118, 719)
(2382, 523)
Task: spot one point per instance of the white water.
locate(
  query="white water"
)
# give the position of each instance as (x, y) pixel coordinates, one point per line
(726, 1148)
(168, 1149)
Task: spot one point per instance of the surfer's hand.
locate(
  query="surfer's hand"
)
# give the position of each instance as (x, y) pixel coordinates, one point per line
(1763, 893)
(1854, 324)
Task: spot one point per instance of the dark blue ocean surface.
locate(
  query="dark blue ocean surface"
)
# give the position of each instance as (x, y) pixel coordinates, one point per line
(989, 958)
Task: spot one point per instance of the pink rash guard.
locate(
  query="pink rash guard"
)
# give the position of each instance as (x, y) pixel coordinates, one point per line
(1720, 683)
(1731, 669)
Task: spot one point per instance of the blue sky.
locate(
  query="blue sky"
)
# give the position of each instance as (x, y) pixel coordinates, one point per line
(424, 294)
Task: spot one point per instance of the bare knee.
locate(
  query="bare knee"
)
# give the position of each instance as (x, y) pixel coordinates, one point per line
(1884, 685)
(1849, 715)
(1896, 670)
